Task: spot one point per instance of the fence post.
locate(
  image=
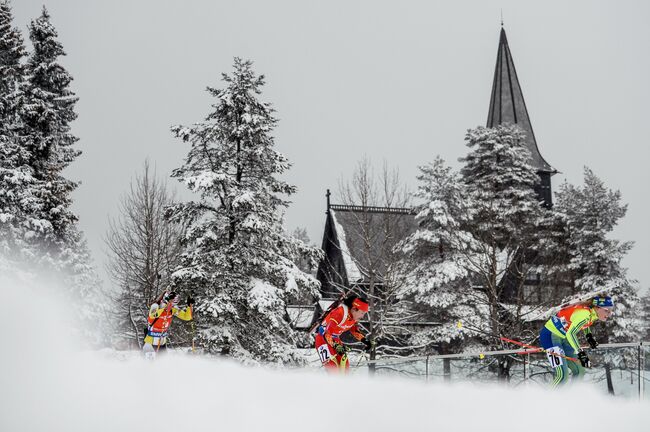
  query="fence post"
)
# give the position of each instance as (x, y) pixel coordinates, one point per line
(426, 378)
(639, 370)
(526, 361)
(608, 376)
(446, 369)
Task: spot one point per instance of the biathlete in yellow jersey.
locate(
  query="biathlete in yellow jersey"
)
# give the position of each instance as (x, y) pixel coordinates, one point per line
(560, 336)
(160, 318)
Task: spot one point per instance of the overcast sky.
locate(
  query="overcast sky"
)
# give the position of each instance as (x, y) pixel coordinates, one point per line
(394, 80)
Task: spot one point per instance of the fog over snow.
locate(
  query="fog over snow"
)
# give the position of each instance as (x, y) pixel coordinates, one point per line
(49, 383)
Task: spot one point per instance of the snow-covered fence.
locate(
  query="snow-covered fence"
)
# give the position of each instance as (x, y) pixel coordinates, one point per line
(619, 368)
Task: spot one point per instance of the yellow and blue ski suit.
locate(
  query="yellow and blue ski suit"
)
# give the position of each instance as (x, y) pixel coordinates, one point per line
(159, 320)
(560, 334)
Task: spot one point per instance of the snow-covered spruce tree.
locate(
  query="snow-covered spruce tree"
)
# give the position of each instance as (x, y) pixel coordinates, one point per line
(46, 109)
(591, 212)
(505, 219)
(12, 52)
(302, 254)
(437, 263)
(644, 314)
(236, 255)
(15, 175)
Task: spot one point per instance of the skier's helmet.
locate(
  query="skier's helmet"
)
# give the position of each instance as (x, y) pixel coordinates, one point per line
(603, 302)
(172, 297)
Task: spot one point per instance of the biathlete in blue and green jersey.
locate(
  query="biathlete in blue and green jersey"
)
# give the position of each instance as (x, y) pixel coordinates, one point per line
(559, 337)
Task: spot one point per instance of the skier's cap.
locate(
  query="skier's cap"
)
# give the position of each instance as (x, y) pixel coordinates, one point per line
(360, 304)
(603, 301)
(172, 296)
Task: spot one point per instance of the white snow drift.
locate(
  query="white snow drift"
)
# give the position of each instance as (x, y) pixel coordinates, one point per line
(48, 385)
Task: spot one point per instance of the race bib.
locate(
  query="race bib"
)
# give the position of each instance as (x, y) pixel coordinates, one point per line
(323, 353)
(554, 356)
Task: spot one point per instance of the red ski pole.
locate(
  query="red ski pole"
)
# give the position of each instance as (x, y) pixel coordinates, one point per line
(525, 345)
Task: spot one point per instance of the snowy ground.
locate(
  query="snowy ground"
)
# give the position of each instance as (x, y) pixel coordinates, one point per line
(49, 385)
(471, 370)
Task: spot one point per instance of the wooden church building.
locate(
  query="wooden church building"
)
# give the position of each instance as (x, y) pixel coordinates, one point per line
(355, 238)
(358, 243)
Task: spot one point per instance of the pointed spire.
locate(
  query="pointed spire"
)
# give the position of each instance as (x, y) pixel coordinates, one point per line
(507, 102)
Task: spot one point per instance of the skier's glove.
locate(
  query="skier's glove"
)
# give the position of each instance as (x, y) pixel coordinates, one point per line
(340, 348)
(592, 341)
(584, 360)
(369, 344)
(190, 301)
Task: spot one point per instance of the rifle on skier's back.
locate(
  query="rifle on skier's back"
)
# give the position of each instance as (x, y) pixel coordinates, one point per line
(574, 300)
(336, 303)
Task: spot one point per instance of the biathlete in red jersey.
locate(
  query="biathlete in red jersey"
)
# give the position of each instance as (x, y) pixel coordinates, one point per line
(330, 348)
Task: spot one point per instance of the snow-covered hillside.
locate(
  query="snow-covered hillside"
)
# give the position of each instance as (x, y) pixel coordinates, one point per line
(50, 385)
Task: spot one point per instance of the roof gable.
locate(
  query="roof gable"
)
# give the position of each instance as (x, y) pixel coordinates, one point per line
(370, 234)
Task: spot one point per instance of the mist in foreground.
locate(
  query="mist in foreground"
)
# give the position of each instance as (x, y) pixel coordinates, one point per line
(49, 383)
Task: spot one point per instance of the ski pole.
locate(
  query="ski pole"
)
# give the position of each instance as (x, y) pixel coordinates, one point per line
(192, 324)
(525, 345)
(191, 307)
(361, 358)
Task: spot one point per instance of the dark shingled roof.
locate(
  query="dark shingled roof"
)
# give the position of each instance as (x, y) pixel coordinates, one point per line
(507, 103)
(371, 233)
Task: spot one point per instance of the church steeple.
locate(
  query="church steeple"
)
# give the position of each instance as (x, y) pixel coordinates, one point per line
(507, 106)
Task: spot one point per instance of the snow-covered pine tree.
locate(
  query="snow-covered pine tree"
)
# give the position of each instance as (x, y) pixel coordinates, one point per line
(47, 111)
(84, 288)
(237, 256)
(12, 52)
(644, 314)
(591, 212)
(500, 181)
(302, 253)
(15, 175)
(56, 246)
(505, 220)
(436, 264)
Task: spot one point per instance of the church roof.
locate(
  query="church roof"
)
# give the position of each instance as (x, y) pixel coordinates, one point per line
(507, 102)
(367, 235)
